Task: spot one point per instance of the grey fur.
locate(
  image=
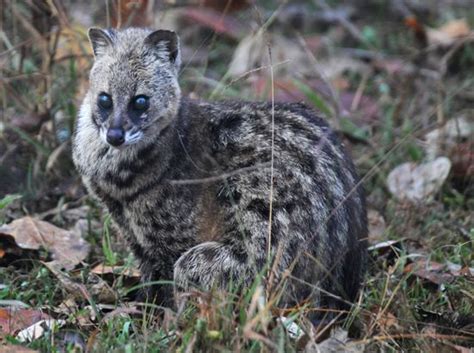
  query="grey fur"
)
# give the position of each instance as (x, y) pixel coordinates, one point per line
(190, 188)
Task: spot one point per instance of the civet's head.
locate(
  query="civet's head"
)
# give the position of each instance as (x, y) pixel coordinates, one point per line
(134, 93)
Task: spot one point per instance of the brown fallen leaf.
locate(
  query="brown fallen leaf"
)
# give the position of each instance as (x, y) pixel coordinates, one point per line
(105, 278)
(447, 34)
(122, 311)
(338, 341)
(458, 270)
(434, 272)
(101, 290)
(13, 319)
(102, 269)
(388, 321)
(379, 317)
(67, 248)
(77, 290)
(16, 349)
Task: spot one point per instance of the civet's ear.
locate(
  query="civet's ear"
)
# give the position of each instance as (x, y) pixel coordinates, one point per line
(162, 40)
(101, 39)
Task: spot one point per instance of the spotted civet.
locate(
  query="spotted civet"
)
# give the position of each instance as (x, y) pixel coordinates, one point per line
(189, 182)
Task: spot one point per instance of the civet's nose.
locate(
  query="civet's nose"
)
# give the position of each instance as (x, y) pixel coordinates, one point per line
(115, 136)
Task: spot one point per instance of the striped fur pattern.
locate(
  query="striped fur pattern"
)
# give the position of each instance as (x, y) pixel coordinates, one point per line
(192, 193)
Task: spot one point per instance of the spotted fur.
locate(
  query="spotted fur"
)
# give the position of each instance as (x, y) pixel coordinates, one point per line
(191, 194)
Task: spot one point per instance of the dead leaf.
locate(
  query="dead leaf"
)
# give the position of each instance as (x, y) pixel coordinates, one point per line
(67, 248)
(388, 250)
(383, 244)
(101, 290)
(16, 349)
(376, 226)
(388, 321)
(103, 269)
(429, 270)
(67, 307)
(447, 34)
(13, 319)
(454, 140)
(338, 341)
(77, 290)
(458, 270)
(122, 311)
(440, 141)
(378, 316)
(418, 183)
(38, 329)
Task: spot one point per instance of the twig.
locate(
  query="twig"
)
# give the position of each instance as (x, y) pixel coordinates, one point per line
(222, 176)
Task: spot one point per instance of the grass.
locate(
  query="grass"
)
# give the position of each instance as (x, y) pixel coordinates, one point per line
(398, 310)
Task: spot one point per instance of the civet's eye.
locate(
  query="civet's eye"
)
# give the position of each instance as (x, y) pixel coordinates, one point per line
(140, 103)
(104, 101)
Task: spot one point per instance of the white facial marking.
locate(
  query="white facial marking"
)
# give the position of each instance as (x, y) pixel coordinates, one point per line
(132, 137)
(103, 135)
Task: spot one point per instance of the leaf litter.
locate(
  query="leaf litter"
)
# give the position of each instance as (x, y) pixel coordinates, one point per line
(67, 248)
(418, 182)
(365, 103)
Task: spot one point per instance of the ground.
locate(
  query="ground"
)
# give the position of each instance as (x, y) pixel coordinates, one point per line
(393, 77)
